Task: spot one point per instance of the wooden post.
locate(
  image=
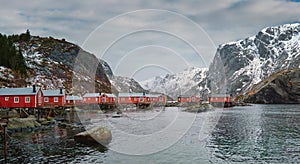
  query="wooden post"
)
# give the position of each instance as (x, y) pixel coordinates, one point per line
(4, 125)
(38, 115)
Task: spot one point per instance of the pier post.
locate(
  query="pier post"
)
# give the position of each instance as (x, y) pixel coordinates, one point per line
(4, 125)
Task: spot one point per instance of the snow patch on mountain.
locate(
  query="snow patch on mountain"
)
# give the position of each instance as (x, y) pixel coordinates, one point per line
(191, 81)
(247, 62)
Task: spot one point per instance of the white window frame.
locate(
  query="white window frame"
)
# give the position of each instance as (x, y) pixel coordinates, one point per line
(55, 99)
(103, 99)
(46, 99)
(6, 98)
(27, 99)
(141, 99)
(16, 99)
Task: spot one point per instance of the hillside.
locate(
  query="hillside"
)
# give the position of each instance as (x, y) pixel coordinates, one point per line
(281, 87)
(239, 65)
(50, 64)
(120, 83)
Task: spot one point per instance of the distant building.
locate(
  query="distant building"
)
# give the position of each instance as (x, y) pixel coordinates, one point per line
(188, 99)
(220, 100)
(54, 98)
(73, 100)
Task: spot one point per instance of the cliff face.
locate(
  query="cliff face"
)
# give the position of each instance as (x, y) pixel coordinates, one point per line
(120, 83)
(281, 87)
(53, 63)
(240, 65)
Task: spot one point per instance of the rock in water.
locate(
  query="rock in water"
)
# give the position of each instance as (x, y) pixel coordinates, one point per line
(95, 135)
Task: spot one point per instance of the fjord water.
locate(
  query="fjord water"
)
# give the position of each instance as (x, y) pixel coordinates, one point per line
(251, 134)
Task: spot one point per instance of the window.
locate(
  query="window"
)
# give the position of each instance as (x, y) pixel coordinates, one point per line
(55, 99)
(160, 98)
(103, 99)
(16, 99)
(6, 98)
(141, 99)
(27, 99)
(46, 99)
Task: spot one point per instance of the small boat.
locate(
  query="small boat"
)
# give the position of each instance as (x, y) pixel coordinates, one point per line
(117, 114)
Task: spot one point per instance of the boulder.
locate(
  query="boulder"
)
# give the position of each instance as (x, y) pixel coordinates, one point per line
(100, 135)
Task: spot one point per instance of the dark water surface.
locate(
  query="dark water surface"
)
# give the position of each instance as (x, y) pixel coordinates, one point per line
(254, 134)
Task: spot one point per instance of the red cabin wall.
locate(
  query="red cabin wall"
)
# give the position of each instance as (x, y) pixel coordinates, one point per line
(21, 104)
(219, 99)
(51, 102)
(91, 100)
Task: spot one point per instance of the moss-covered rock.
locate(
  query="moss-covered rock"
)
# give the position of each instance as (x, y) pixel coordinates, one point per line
(17, 123)
(100, 135)
(199, 108)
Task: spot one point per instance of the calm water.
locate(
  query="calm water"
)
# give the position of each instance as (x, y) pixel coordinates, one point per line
(254, 134)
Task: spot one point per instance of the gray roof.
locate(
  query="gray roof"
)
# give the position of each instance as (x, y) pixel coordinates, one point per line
(73, 97)
(53, 92)
(131, 94)
(110, 95)
(17, 91)
(91, 95)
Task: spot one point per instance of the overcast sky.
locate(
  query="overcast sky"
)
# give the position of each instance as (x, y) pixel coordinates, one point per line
(142, 39)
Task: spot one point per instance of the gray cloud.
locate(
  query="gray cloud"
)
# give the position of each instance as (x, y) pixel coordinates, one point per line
(221, 21)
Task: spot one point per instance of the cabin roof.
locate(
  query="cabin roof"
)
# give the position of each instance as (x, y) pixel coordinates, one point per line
(132, 94)
(53, 92)
(91, 95)
(110, 95)
(187, 96)
(69, 97)
(17, 91)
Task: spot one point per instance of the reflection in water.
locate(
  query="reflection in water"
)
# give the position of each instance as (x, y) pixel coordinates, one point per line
(255, 134)
(260, 133)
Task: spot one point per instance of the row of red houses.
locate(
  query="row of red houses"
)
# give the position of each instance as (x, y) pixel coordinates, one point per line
(35, 97)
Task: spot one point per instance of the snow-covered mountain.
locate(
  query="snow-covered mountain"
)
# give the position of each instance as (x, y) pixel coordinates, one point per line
(52, 63)
(239, 65)
(190, 81)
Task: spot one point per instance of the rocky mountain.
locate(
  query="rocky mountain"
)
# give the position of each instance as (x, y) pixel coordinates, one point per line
(53, 63)
(281, 87)
(191, 81)
(120, 83)
(239, 65)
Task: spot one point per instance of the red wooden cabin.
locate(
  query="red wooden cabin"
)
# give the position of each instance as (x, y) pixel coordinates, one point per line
(157, 98)
(188, 99)
(91, 98)
(107, 98)
(54, 98)
(133, 98)
(220, 100)
(73, 100)
(21, 97)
